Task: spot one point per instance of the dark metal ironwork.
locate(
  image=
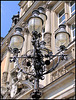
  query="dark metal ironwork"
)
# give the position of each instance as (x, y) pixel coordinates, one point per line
(38, 62)
(37, 56)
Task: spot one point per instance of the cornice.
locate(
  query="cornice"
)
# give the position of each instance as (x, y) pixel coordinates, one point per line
(23, 4)
(57, 82)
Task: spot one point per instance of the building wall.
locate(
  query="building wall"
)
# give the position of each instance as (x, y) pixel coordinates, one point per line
(2, 66)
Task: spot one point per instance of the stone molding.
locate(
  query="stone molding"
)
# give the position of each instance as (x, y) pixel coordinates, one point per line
(4, 77)
(73, 52)
(47, 38)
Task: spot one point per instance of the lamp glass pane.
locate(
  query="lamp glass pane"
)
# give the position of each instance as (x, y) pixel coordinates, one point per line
(62, 39)
(35, 24)
(16, 42)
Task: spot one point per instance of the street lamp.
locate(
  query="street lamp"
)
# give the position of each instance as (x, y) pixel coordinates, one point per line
(42, 14)
(40, 52)
(62, 37)
(17, 40)
(35, 22)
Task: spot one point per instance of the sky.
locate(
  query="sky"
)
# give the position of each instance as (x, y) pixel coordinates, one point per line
(8, 9)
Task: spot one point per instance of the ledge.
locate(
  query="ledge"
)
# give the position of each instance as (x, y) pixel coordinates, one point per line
(70, 20)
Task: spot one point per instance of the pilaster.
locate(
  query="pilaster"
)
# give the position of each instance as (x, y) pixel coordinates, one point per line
(24, 49)
(53, 19)
(48, 21)
(11, 66)
(66, 10)
(6, 67)
(47, 39)
(47, 34)
(29, 42)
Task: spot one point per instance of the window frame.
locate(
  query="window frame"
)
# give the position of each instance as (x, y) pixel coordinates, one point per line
(73, 37)
(70, 8)
(61, 16)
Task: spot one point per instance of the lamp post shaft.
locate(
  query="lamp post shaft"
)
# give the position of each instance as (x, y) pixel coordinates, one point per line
(36, 85)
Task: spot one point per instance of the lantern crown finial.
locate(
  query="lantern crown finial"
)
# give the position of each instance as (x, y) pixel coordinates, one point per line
(18, 29)
(35, 12)
(62, 26)
(41, 9)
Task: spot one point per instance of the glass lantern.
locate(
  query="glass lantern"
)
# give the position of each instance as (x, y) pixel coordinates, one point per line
(42, 14)
(35, 22)
(17, 39)
(62, 36)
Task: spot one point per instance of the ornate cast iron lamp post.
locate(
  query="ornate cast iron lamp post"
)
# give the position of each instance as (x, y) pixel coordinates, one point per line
(40, 52)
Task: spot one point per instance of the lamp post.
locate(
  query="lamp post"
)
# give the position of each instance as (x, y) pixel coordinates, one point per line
(40, 52)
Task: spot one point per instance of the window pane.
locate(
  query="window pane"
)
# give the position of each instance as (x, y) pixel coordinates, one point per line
(73, 13)
(61, 13)
(74, 34)
(71, 3)
(62, 18)
(73, 8)
(73, 26)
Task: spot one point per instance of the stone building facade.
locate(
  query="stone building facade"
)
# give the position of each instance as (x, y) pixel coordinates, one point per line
(59, 84)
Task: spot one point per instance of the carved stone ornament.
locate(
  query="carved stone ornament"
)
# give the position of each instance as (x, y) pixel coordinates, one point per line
(19, 75)
(73, 52)
(47, 39)
(7, 43)
(4, 77)
(13, 73)
(13, 90)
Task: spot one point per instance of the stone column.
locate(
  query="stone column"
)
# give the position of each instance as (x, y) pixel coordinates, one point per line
(25, 43)
(11, 66)
(66, 10)
(48, 21)
(29, 46)
(6, 67)
(53, 28)
(47, 34)
(66, 6)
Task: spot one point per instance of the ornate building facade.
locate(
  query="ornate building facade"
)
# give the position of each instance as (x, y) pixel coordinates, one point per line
(59, 84)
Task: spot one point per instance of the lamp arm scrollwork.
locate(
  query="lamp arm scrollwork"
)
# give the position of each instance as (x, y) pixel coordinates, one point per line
(53, 68)
(22, 68)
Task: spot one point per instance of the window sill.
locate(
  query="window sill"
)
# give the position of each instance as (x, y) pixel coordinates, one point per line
(71, 20)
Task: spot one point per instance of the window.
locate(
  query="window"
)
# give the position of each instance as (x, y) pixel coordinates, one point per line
(73, 31)
(61, 16)
(72, 8)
